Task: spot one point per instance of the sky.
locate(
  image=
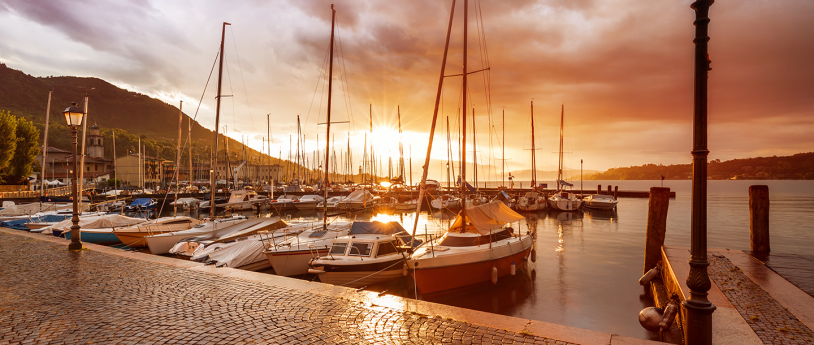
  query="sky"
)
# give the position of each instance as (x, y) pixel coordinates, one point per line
(621, 70)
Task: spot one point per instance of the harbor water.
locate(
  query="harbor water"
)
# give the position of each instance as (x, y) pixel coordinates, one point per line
(588, 263)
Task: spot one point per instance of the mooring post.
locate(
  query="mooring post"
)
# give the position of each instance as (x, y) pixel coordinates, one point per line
(656, 226)
(599, 189)
(759, 218)
(610, 190)
(615, 192)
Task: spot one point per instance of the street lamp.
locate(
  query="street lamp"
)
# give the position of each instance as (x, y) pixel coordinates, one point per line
(74, 116)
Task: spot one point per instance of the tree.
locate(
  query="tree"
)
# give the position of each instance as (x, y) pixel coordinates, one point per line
(8, 141)
(25, 154)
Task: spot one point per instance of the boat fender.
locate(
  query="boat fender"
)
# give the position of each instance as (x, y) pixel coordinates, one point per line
(404, 270)
(650, 318)
(494, 275)
(315, 271)
(534, 255)
(669, 315)
(514, 268)
(649, 276)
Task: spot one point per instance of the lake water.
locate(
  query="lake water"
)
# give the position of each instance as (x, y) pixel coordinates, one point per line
(588, 264)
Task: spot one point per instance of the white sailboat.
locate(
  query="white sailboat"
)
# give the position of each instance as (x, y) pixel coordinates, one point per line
(563, 200)
(532, 201)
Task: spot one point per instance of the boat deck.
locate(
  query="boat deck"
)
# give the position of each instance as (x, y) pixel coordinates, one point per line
(102, 294)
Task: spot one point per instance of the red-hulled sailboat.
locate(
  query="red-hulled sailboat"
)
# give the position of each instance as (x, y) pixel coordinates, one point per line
(478, 247)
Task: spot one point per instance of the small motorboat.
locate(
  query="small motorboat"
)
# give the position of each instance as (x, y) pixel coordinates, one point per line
(308, 202)
(599, 202)
(373, 252)
(290, 256)
(531, 202)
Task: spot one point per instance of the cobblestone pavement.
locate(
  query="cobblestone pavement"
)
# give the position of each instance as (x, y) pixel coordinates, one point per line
(773, 323)
(51, 295)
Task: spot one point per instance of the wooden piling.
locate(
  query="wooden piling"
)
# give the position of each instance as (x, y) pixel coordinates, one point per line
(759, 218)
(599, 189)
(610, 190)
(615, 192)
(656, 226)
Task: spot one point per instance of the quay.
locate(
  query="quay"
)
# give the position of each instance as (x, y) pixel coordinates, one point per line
(101, 294)
(760, 297)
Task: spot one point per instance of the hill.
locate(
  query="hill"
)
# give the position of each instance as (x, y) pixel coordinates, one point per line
(132, 114)
(795, 167)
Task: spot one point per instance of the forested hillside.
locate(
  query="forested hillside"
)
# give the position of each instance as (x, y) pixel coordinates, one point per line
(131, 114)
(796, 167)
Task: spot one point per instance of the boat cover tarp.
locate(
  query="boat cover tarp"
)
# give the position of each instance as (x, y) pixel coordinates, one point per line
(237, 197)
(390, 228)
(232, 254)
(185, 201)
(141, 202)
(242, 229)
(358, 196)
(293, 188)
(19, 224)
(108, 221)
(502, 196)
(485, 218)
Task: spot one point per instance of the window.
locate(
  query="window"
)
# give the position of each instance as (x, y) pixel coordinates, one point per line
(386, 248)
(87, 168)
(96, 168)
(360, 249)
(338, 248)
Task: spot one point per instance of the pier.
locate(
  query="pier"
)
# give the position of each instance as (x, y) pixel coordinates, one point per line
(102, 294)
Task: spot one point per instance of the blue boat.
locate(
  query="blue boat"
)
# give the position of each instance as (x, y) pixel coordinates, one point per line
(98, 236)
(141, 204)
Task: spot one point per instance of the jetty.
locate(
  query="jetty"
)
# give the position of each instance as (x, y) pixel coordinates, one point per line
(760, 297)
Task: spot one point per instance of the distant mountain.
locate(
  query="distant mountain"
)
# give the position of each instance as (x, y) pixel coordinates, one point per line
(795, 167)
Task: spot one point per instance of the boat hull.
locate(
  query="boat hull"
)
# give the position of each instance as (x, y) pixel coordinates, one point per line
(291, 263)
(356, 276)
(437, 279)
(136, 239)
(94, 237)
(604, 206)
(564, 205)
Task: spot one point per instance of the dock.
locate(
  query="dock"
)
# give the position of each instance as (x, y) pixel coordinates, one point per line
(107, 295)
(756, 302)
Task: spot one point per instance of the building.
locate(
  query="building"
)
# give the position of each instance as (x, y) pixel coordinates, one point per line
(144, 171)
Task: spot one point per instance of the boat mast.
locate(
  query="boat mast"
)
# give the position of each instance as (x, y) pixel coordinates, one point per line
(533, 152)
(449, 159)
(178, 157)
(299, 135)
(189, 142)
(434, 119)
(217, 123)
(562, 119)
(45, 146)
(504, 148)
(474, 152)
(401, 146)
(463, 124)
(328, 122)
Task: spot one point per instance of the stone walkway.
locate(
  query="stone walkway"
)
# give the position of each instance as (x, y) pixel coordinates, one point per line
(772, 323)
(51, 295)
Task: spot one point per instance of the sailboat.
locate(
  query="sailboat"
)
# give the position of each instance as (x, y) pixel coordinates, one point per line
(374, 252)
(532, 201)
(478, 247)
(563, 200)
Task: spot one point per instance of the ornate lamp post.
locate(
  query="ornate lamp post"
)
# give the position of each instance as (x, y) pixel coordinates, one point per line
(698, 328)
(74, 116)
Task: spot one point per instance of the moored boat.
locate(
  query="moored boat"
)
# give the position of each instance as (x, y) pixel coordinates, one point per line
(483, 250)
(290, 256)
(373, 253)
(161, 244)
(134, 236)
(599, 202)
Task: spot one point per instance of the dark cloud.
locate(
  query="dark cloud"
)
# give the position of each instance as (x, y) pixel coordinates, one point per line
(623, 68)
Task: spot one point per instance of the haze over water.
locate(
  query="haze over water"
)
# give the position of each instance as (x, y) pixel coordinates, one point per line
(588, 264)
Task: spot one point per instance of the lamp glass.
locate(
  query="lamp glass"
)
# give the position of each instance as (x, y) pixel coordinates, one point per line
(73, 117)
